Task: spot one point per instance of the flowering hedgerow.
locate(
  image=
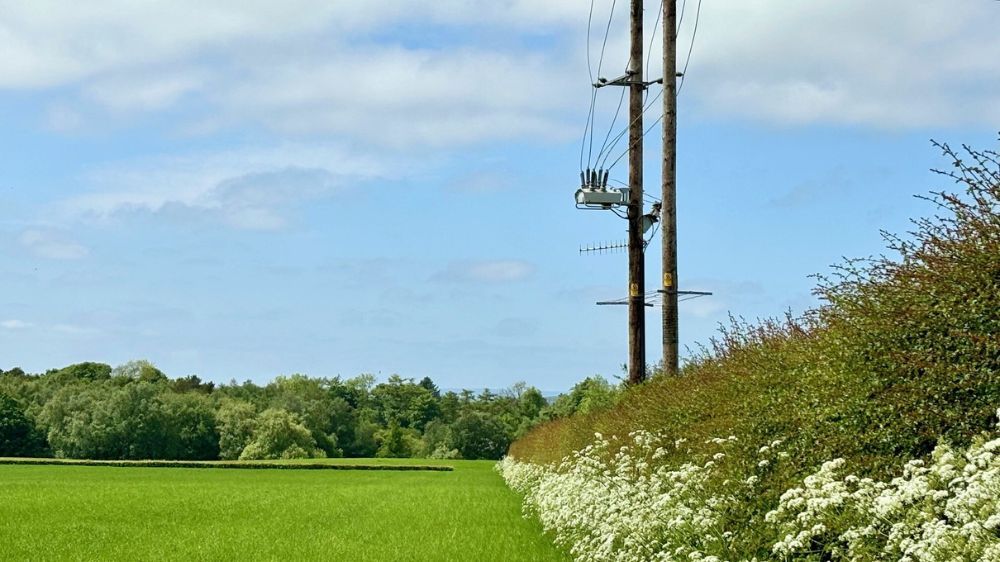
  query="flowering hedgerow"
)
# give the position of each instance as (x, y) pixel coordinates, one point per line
(617, 500)
(945, 510)
(613, 500)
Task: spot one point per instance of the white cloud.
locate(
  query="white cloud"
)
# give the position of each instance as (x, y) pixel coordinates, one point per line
(252, 188)
(52, 244)
(74, 330)
(912, 63)
(486, 271)
(404, 96)
(486, 71)
(15, 324)
(145, 91)
(54, 42)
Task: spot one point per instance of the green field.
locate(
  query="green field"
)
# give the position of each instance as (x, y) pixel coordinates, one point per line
(101, 513)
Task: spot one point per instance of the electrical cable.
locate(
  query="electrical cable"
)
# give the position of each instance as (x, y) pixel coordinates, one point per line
(644, 133)
(649, 51)
(593, 97)
(687, 61)
(600, 64)
(680, 20)
(618, 138)
(604, 145)
(694, 34)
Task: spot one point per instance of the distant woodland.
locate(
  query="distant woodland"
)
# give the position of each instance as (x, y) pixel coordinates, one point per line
(135, 411)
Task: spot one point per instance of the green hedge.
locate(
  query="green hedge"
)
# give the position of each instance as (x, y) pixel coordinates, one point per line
(226, 464)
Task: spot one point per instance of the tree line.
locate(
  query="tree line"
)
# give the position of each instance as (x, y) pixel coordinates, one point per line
(135, 411)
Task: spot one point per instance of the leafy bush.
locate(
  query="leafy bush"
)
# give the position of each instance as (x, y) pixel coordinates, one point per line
(280, 435)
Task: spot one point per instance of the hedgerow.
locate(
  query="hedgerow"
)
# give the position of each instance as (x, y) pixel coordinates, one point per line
(902, 357)
(612, 500)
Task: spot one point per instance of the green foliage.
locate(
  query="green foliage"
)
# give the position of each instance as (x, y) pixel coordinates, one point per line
(84, 371)
(192, 383)
(190, 430)
(237, 420)
(476, 435)
(280, 435)
(398, 442)
(135, 411)
(139, 370)
(310, 400)
(137, 421)
(404, 402)
(592, 394)
(18, 435)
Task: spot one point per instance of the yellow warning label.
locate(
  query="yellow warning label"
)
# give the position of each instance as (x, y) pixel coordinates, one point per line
(633, 290)
(668, 280)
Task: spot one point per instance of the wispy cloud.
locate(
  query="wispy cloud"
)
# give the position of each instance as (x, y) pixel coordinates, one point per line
(60, 328)
(15, 324)
(51, 244)
(74, 330)
(255, 188)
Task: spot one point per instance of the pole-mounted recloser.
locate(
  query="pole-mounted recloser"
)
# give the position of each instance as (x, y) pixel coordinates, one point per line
(636, 270)
(668, 222)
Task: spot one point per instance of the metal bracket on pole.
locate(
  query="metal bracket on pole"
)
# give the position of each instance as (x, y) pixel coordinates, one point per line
(625, 80)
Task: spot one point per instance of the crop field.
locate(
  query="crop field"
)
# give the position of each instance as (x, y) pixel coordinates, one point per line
(88, 513)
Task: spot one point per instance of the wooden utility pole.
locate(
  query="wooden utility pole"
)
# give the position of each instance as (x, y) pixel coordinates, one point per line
(636, 269)
(669, 218)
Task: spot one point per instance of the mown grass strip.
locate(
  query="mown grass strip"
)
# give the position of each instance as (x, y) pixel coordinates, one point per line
(253, 465)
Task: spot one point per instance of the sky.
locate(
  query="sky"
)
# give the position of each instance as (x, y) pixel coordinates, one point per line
(245, 189)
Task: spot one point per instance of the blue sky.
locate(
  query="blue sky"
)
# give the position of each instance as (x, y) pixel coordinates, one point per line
(247, 189)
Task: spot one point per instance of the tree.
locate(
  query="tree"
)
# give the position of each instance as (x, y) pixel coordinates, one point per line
(402, 401)
(84, 371)
(394, 443)
(437, 441)
(18, 435)
(531, 403)
(139, 370)
(281, 435)
(427, 383)
(450, 406)
(589, 395)
(314, 405)
(192, 383)
(237, 420)
(190, 430)
(479, 436)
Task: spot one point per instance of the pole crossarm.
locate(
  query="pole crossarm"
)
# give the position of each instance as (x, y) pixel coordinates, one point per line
(626, 80)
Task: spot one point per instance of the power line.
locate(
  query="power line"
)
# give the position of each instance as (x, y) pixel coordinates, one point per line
(600, 64)
(656, 26)
(680, 20)
(611, 128)
(621, 134)
(687, 61)
(593, 97)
